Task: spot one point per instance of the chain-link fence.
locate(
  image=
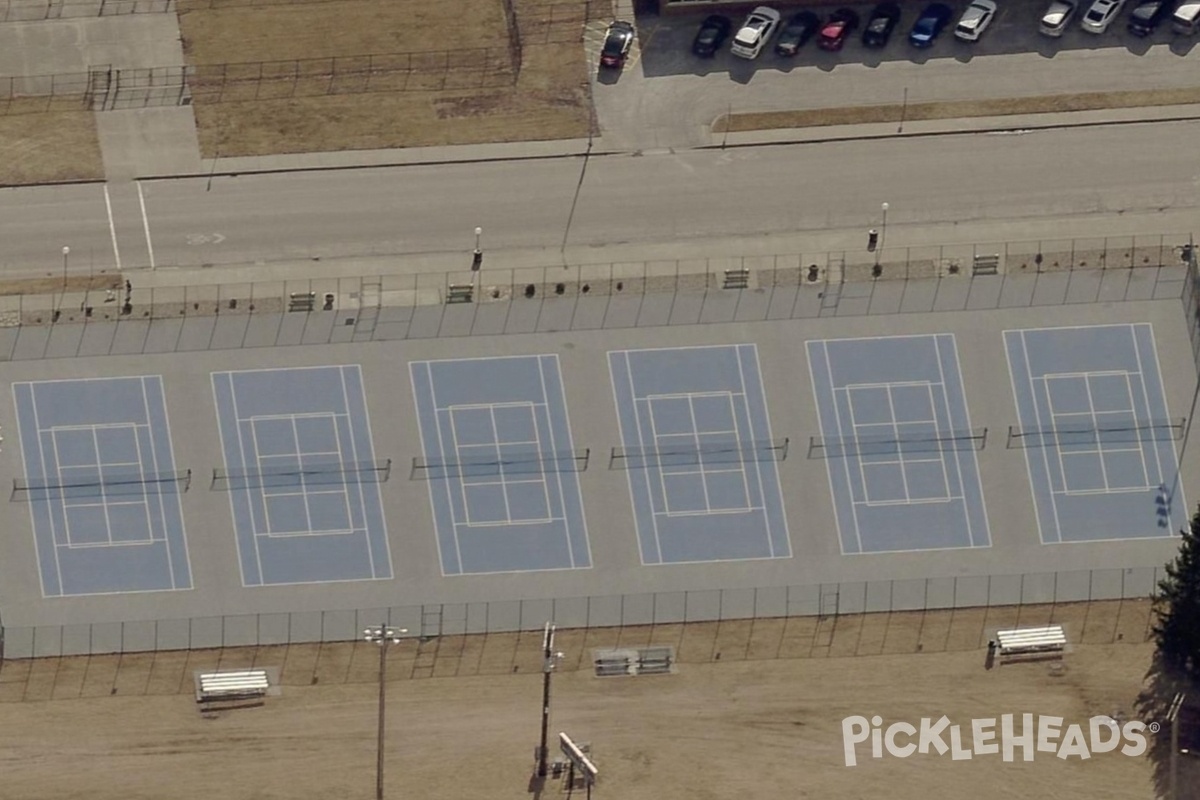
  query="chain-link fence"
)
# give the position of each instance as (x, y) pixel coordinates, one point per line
(1032, 597)
(107, 320)
(39, 10)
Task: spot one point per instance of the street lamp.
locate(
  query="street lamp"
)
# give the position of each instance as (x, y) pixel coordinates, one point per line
(382, 636)
(66, 251)
(550, 659)
(477, 261)
(882, 233)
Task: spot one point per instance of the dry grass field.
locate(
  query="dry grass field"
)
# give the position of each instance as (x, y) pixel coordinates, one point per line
(957, 109)
(754, 709)
(549, 100)
(48, 146)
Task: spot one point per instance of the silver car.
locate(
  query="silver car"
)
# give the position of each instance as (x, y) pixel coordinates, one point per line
(1057, 17)
(1100, 15)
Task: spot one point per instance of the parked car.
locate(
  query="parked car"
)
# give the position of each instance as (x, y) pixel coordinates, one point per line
(929, 24)
(755, 32)
(837, 28)
(1148, 14)
(975, 20)
(617, 42)
(1186, 19)
(1100, 15)
(796, 31)
(1055, 20)
(880, 25)
(712, 34)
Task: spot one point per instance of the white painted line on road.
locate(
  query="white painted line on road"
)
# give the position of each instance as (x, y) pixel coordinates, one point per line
(145, 223)
(111, 227)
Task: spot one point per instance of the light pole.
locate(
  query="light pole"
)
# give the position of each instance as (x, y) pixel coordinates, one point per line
(882, 233)
(66, 251)
(382, 636)
(477, 261)
(549, 661)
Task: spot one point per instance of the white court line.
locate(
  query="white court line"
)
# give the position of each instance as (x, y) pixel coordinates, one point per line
(689, 395)
(837, 421)
(112, 229)
(1141, 373)
(216, 378)
(462, 484)
(303, 480)
(1037, 416)
(356, 370)
(1176, 482)
(758, 467)
(710, 513)
(104, 426)
(542, 467)
(944, 386)
(1087, 384)
(918, 502)
(294, 417)
(562, 399)
(500, 466)
(145, 223)
(250, 502)
(437, 426)
(641, 439)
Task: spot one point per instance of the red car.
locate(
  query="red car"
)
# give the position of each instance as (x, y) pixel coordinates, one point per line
(837, 29)
(616, 44)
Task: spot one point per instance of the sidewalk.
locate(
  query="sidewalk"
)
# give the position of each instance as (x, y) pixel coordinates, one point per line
(571, 148)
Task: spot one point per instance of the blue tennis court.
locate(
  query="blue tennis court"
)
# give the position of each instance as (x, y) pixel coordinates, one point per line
(302, 476)
(502, 469)
(102, 486)
(899, 447)
(701, 460)
(1098, 440)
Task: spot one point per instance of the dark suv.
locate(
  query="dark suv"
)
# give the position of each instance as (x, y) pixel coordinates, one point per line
(1146, 17)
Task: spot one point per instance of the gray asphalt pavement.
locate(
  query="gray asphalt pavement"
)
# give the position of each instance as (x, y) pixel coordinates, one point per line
(1144, 173)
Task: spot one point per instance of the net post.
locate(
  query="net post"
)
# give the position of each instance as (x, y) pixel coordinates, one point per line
(983, 438)
(387, 469)
(613, 456)
(187, 480)
(587, 458)
(1011, 436)
(783, 451)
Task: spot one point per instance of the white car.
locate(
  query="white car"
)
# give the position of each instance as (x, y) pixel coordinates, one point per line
(755, 32)
(1100, 15)
(1055, 20)
(975, 20)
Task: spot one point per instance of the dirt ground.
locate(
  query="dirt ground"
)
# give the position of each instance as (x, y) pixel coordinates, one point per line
(754, 709)
(959, 109)
(549, 100)
(46, 146)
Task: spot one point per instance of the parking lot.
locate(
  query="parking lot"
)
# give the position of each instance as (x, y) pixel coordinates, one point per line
(667, 97)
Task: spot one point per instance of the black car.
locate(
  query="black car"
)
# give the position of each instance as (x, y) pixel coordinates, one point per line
(1145, 18)
(880, 24)
(929, 24)
(712, 34)
(798, 30)
(617, 42)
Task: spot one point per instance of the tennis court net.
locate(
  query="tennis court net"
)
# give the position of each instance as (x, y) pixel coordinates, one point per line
(106, 484)
(333, 473)
(897, 444)
(501, 464)
(1135, 432)
(702, 454)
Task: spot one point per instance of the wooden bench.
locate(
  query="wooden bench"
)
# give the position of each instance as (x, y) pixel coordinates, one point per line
(737, 279)
(1049, 641)
(234, 685)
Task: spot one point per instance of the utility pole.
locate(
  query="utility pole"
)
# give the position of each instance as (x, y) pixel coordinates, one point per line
(382, 636)
(549, 661)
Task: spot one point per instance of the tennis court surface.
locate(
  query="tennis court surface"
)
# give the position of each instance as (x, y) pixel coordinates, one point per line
(501, 465)
(102, 486)
(701, 461)
(1099, 444)
(898, 443)
(301, 475)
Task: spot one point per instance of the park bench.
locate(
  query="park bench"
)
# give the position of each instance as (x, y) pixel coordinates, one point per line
(1046, 641)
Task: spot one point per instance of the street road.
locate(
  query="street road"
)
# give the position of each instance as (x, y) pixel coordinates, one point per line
(1124, 170)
